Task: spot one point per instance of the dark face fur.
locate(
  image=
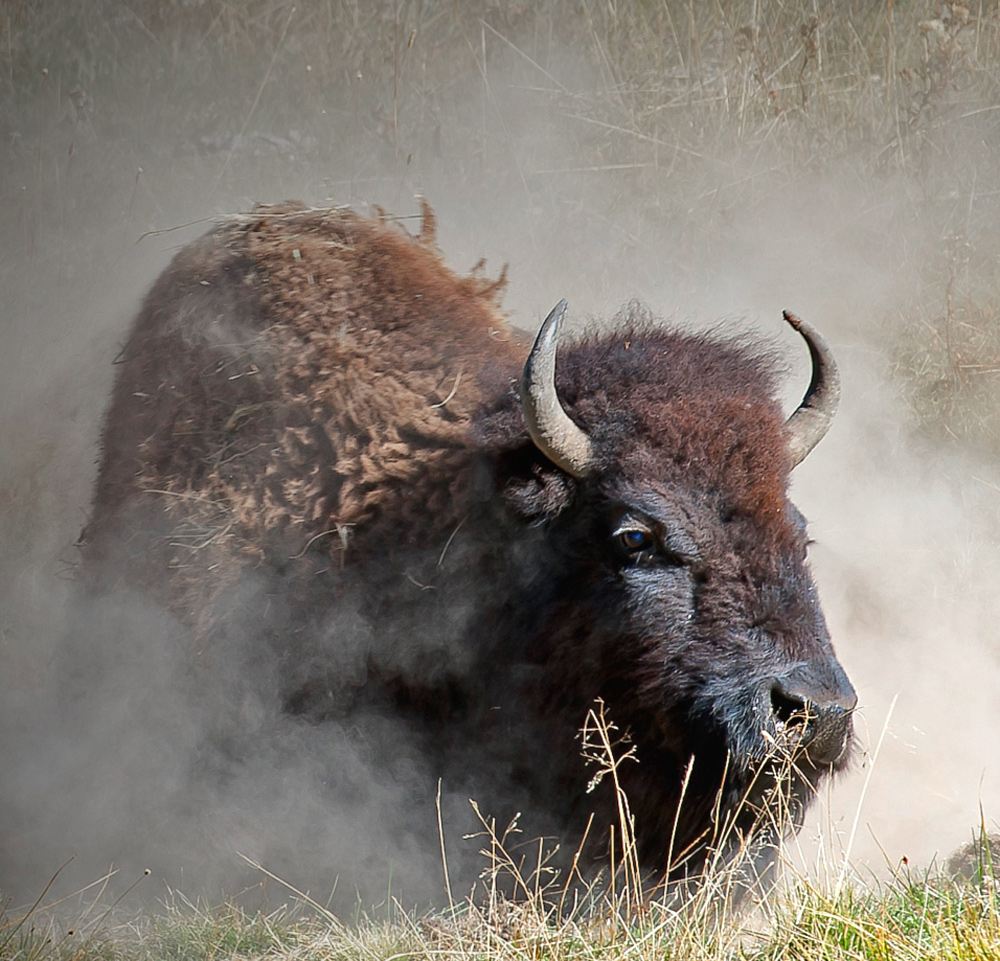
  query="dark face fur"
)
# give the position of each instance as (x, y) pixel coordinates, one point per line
(684, 598)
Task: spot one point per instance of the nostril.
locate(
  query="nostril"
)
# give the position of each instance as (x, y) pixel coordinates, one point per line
(818, 727)
(788, 709)
(813, 713)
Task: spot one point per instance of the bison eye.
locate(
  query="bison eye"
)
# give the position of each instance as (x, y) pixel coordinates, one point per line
(636, 541)
(639, 540)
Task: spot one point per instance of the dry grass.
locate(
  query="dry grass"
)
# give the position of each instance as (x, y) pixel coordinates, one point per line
(686, 114)
(523, 911)
(907, 917)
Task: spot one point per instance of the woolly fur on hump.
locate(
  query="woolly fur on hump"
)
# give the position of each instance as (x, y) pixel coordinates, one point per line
(294, 379)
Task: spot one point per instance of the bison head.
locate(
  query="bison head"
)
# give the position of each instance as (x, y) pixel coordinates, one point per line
(684, 597)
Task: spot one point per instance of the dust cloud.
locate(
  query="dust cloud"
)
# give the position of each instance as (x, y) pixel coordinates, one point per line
(531, 155)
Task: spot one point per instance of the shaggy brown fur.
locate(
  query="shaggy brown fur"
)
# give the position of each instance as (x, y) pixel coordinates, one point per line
(297, 381)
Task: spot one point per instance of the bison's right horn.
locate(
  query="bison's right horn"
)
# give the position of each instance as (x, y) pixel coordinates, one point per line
(550, 427)
(808, 425)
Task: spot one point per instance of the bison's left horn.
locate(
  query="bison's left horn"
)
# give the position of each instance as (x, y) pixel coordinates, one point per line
(550, 427)
(808, 425)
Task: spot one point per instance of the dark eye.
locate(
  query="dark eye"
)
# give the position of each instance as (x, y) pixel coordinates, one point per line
(635, 541)
(641, 540)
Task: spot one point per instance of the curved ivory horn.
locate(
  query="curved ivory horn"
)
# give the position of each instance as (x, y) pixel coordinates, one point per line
(550, 427)
(807, 426)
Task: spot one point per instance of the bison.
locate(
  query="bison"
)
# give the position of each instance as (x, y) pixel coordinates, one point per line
(330, 458)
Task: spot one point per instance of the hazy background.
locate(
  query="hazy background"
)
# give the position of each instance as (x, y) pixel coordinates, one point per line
(718, 161)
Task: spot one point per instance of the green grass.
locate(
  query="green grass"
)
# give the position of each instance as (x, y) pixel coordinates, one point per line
(951, 911)
(908, 917)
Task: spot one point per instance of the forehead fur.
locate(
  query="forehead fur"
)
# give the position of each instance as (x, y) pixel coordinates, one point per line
(670, 406)
(688, 409)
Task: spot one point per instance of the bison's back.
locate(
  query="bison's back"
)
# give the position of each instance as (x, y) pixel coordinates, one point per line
(296, 389)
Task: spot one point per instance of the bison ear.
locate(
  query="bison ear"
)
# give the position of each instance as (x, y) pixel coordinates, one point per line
(533, 487)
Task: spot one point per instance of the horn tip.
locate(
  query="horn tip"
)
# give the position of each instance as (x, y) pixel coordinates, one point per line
(558, 312)
(792, 319)
(550, 326)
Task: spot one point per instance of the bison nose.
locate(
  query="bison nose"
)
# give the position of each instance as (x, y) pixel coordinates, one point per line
(820, 717)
